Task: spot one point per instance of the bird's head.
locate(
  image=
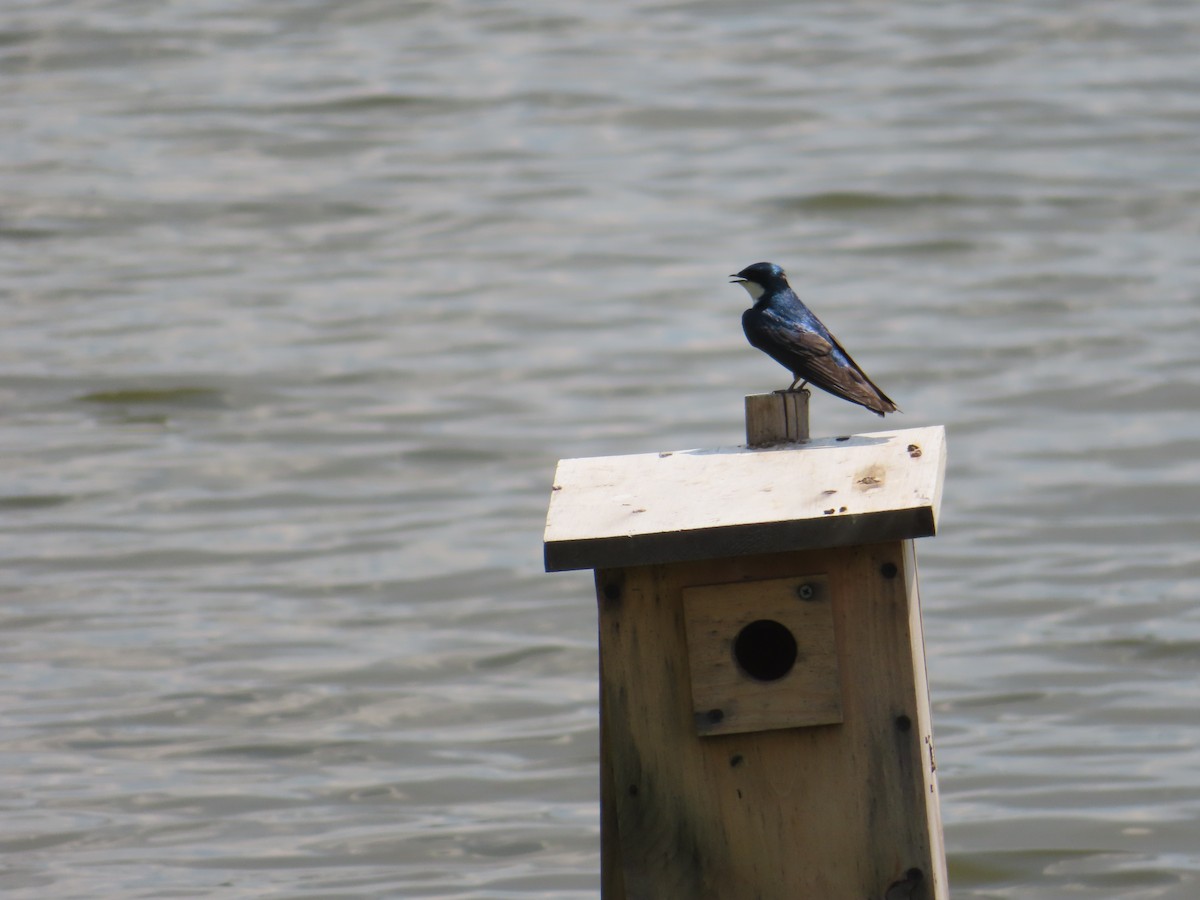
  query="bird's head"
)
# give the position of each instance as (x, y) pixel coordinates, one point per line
(760, 278)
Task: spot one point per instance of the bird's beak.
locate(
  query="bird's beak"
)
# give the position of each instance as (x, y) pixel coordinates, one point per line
(737, 279)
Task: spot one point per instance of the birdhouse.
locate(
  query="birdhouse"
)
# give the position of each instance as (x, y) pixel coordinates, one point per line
(765, 723)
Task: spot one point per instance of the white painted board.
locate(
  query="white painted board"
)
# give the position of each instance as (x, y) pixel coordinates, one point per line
(651, 508)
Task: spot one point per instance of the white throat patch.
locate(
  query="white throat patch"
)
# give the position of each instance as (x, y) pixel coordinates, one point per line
(753, 289)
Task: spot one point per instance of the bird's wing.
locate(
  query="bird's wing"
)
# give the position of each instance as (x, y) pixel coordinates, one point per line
(810, 347)
(812, 357)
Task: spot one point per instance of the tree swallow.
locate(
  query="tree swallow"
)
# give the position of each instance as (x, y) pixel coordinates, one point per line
(782, 327)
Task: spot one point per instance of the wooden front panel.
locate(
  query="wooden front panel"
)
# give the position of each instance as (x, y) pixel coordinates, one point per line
(842, 810)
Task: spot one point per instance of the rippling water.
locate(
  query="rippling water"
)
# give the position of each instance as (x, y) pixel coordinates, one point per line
(303, 301)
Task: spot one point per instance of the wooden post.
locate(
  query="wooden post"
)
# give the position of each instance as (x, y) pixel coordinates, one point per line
(780, 417)
(765, 724)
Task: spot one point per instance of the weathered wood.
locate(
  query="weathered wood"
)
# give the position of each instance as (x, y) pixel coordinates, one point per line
(835, 811)
(698, 504)
(762, 655)
(777, 418)
(612, 879)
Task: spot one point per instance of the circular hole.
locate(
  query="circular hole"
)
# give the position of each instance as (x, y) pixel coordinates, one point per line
(765, 650)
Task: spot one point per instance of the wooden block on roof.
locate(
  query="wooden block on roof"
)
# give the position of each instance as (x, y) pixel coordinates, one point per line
(652, 508)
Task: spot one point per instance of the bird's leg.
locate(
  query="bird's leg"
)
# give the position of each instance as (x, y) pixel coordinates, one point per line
(800, 380)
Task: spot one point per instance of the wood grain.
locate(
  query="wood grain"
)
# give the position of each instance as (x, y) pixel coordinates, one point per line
(643, 509)
(728, 699)
(832, 811)
(780, 417)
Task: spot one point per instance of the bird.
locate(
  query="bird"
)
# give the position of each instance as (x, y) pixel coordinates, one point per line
(781, 326)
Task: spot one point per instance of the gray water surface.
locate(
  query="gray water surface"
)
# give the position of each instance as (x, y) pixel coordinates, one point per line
(302, 302)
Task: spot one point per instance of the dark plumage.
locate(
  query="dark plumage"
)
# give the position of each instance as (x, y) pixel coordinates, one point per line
(782, 327)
